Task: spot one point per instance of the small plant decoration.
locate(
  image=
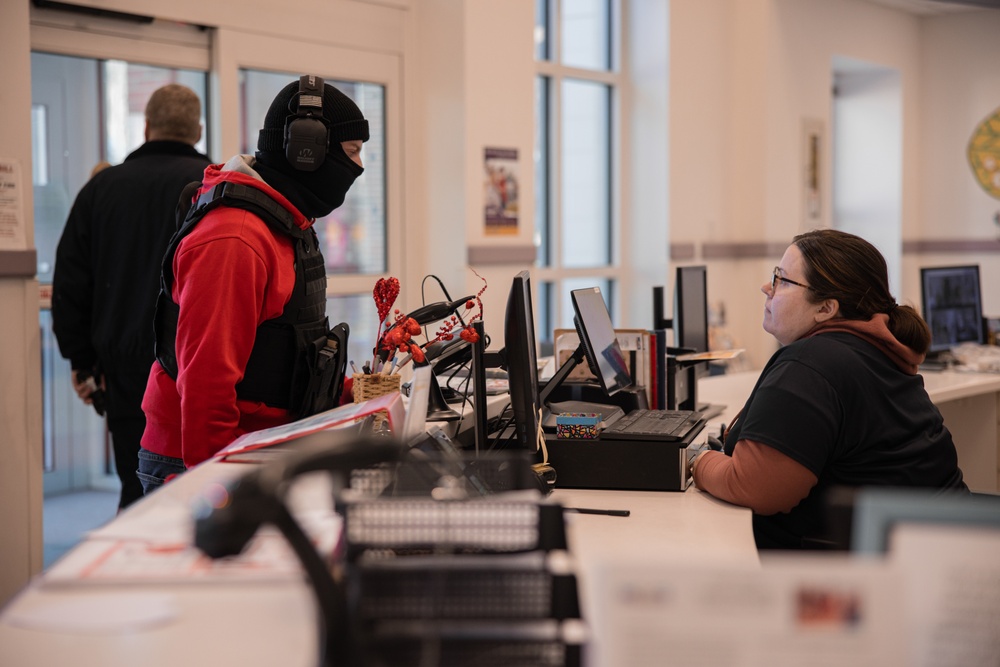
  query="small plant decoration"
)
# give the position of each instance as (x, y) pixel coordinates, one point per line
(396, 336)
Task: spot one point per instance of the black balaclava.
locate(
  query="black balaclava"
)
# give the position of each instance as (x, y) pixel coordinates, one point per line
(314, 193)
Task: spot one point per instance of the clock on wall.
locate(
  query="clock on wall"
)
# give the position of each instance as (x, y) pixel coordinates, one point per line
(984, 154)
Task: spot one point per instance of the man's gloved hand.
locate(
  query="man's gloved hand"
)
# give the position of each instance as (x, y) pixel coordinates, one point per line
(87, 389)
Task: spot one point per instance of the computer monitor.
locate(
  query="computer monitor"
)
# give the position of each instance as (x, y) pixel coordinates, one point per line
(953, 306)
(600, 343)
(521, 361)
(691, 308)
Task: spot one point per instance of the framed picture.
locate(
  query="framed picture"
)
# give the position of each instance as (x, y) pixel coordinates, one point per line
(812, 173)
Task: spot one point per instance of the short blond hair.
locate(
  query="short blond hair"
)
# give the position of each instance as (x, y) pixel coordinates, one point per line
(174, 113)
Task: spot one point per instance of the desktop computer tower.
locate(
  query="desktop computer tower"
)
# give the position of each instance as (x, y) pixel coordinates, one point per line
(628, 465)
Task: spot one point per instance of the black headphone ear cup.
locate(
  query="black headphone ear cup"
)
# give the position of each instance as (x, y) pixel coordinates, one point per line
(305, 142)
(307, 137)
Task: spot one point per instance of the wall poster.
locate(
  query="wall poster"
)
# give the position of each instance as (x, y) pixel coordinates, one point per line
(500, 186)
(812, 174)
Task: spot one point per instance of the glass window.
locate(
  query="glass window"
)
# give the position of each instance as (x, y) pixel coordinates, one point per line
(353, 237)
(576, 95)
(127, 87)
(586, 174)
(542, 46)
(358, 310)
(86, 111)
(586, 34)
(541, 159)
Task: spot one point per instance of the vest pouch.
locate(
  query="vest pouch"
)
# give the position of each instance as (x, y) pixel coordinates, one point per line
(327, 364)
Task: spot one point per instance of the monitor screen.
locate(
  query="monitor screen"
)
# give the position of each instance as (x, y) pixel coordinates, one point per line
(522, 364)
(953, 305)
(691, 308)
(597, 334)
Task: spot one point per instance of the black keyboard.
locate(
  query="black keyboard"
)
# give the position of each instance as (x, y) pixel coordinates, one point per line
(668, 425)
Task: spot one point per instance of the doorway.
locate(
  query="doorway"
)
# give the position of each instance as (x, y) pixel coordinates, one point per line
(868, 157)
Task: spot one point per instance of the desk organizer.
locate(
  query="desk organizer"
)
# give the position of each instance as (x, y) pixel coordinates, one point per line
(459, 582)
(583, 425)
(367, 386)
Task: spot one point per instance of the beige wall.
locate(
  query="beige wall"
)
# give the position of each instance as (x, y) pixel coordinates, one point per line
(744, 75)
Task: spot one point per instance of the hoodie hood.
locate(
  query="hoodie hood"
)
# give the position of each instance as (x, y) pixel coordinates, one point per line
(875, 331)
(242, 169)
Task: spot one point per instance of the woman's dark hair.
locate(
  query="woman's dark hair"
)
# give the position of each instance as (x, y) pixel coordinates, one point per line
(851, 270)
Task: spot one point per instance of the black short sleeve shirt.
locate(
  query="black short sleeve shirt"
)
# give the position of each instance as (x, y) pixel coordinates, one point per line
(837, 405)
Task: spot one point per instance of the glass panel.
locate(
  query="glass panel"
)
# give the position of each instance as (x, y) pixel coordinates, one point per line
(85, 111)
(353, 237)
(127, 88)
(586, 34)
(358, 310)
(542, 45)
(542, 155)
(40, 156)
(66, 143)
(586, 174)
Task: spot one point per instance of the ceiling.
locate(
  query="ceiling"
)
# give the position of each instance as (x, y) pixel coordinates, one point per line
(936, 7)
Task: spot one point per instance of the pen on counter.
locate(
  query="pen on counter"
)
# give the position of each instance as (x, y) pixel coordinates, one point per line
(586, 510)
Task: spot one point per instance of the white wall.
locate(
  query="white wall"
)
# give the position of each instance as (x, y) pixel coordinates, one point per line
(476, 90)
(745, 73)
(960, 87)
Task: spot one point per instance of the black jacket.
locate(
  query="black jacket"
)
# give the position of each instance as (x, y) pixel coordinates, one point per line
(108, 260)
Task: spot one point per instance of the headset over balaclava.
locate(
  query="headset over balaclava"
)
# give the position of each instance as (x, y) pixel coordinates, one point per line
(318, 184)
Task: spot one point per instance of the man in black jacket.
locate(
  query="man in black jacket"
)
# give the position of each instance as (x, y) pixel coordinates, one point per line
(108, 267)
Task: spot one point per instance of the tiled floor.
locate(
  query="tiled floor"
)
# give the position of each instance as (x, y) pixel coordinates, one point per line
(67, 518)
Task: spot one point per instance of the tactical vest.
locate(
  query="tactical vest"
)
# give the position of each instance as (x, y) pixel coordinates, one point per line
(280, 365)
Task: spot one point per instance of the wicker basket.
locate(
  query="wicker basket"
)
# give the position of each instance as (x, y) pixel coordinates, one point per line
(368, 386)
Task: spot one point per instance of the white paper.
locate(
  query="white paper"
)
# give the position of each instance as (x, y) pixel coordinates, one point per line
(110, 613)
(790, 612)
(952, 593)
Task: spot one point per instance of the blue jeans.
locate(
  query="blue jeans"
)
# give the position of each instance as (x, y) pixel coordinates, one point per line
(155, 468)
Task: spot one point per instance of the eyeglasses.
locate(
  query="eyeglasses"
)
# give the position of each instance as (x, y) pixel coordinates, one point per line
(776, 276)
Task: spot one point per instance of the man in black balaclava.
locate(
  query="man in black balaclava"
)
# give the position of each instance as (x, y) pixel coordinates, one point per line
(314, 193)
(245, 285)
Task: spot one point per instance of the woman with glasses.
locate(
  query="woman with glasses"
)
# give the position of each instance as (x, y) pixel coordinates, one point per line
(840, 404)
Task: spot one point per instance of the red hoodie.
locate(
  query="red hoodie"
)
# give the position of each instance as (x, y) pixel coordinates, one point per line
(232, 273)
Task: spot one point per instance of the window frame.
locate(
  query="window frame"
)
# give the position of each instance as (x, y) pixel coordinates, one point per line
(550, 273)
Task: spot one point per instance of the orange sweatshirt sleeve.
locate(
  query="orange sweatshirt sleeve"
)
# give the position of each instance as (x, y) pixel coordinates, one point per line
(755, 476)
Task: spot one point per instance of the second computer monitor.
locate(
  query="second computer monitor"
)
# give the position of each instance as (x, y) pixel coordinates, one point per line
(597, 335)
(521, 360)
(691, 308)
(953, 305)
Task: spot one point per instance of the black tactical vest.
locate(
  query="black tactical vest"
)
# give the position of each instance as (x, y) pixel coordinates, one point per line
(278, 371)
